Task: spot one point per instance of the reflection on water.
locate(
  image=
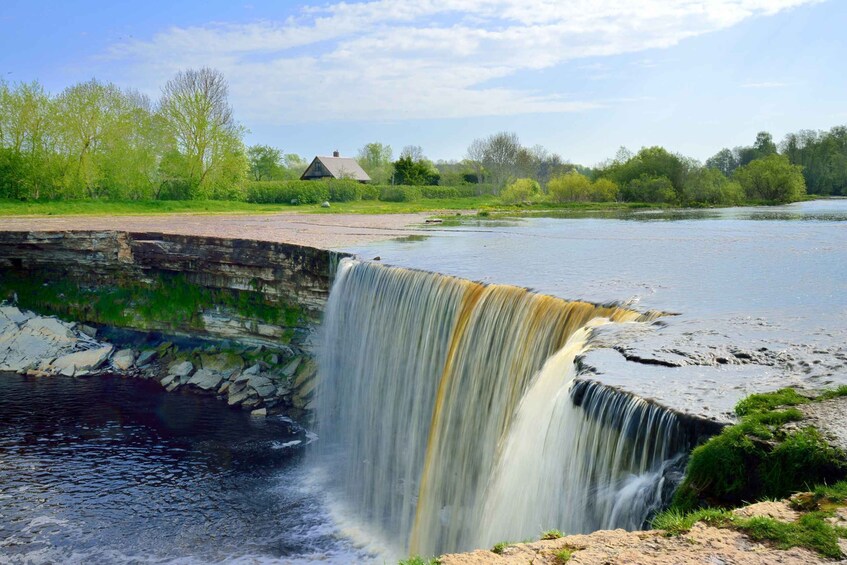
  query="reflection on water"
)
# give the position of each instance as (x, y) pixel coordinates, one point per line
(110, 470)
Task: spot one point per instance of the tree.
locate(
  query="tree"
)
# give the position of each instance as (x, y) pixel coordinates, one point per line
(724, 161)
(265, 162)
(413, 152)
(649, 189)
(498, 155)
(649, 162)
(570, 187)
(27, 163)
(476, 156)
(772, 179)
(415, 173)
(522, 190)
(710, 186)
(196, 108)
(375, 158)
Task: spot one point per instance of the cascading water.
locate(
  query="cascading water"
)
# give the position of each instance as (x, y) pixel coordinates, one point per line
(447, 423)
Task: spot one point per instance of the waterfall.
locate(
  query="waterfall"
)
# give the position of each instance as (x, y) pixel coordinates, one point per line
(449, 419)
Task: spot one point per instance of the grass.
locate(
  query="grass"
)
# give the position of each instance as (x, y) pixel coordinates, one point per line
(211, 207)
(418, 560)
(770, 400)
(500, 547)
(811, 531)
(563, 555)
(552, 534)
(758, 457)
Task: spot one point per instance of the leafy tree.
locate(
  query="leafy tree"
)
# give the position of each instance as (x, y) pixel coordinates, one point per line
(265, 162)
(651, 163)
(570, 187)
(522, 190)
(376, 159)
(710, 186)
(416, 173)
(413, 152)
(498, 155)
(295, 166)
(649, 189)
(772, 179)
(724, 161)
(196, 108)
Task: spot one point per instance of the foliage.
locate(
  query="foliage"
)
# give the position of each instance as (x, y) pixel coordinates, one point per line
(765, 402)
(416, 173)
(499, 547)
(522, 190)
(563, 555)
(417, 560)
(287, 192)
(649, 189)
(811, 531)
(376, 159)
(758, 457)
(400, 194)
(448, 191)
(265, 162)
(835, 393)
(772, 179)
(711, 187)
(575, 187)
(552, 534)
(649, 163)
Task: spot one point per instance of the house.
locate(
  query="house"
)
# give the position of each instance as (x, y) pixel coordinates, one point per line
(335, 167)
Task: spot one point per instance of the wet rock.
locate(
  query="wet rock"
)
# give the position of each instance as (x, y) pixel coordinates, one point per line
(205, 379)
(172, 387)
(168, 380)
(291, 367)
(253, 370)
(88, 360)
(222, 362)
(88, 330)
(260, 412)
(182, 369)
(263, 386)
(238, 397)
(274, 359)
(123, 360)
(67, 371)
(147, 357)
(224, 388)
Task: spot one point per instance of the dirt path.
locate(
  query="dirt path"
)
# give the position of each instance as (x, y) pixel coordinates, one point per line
(324, 231)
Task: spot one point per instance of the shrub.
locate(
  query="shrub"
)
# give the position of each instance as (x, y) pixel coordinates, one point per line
(772, 179)
(400, 194)
(570, 187)
(287, 192)
(343, 190)
(522, 190)
(649, 189)
(369, 192)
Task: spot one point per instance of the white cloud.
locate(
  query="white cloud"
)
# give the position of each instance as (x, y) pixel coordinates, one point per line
(396, 59)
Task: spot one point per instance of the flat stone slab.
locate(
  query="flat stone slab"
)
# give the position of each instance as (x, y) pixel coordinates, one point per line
(206, 379)
(88, 360)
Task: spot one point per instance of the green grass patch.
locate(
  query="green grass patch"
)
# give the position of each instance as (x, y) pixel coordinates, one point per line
(811, 531)
(417, 560)
(563, 555)
(769, 401)
(756, 458)
(552, 534)
(836, 393)
(500, 547)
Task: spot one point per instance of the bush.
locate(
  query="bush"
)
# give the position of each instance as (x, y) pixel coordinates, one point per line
(710, 186)
(400, 194)
(522, 190)
(287, 192)
(649, 189)
(369, 192)
(570, 187)
(461, 191)
(343, 190)
(772, 179)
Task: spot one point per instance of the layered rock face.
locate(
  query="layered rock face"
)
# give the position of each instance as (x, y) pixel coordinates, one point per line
(294, 277)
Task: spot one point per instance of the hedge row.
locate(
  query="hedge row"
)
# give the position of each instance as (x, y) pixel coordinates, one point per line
(317, 191)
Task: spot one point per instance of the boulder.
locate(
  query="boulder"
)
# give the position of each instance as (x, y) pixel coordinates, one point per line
(254, 370)
(123, 360)
(181, 369)
(263, 386)
(68, 371)
(205, 379)
(168, 380)
(222, 362)
(291, 367)
(147, 357)
(238, 397)
(259, 412)
(88, 330)
(88, 360)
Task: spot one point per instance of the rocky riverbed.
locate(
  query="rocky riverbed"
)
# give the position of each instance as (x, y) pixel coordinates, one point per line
(258, 379)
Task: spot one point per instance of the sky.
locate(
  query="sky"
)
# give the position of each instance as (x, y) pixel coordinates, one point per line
(579, 77)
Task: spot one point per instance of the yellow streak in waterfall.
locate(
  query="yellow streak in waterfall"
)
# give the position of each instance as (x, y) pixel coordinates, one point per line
(469, 301)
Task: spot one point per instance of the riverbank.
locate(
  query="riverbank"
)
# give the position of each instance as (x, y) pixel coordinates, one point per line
(258, 379)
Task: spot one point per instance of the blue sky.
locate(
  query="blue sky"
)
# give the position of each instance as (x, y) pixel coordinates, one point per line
(579, 77)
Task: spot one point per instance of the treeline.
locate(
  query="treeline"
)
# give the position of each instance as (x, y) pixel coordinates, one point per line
(96, 141)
